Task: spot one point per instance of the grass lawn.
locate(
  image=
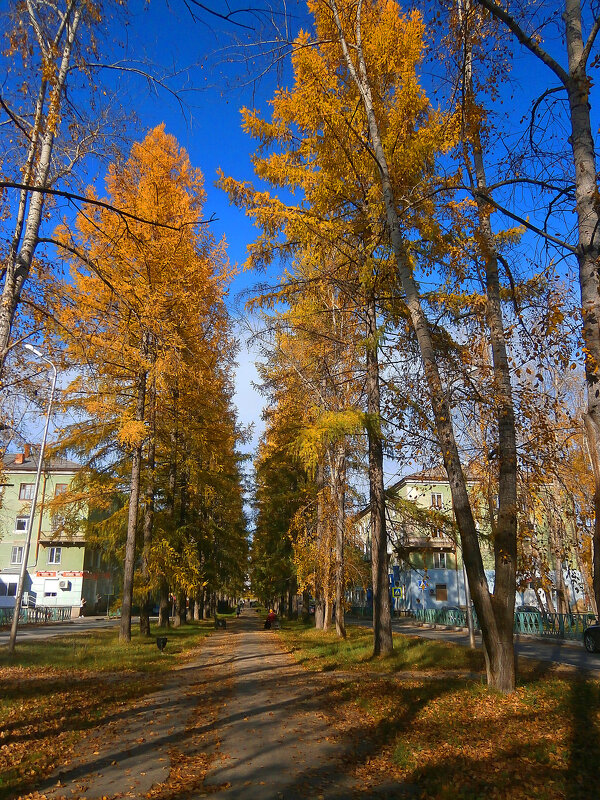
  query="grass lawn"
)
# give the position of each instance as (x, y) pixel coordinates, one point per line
(449, 736)
(53, 692)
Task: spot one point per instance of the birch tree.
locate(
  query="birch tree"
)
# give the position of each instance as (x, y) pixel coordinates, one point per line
(572, 73)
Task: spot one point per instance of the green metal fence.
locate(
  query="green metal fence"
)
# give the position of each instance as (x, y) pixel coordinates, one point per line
(554, 626)
(361, 611)
(37, 615)
(531, 623)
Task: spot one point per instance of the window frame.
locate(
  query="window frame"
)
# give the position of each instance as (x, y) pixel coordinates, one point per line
(14, 551)
(60, 488)
(440, 557)
(24, 492)
(56, 551)
(441, 589)
(18, 530)
(435, 497)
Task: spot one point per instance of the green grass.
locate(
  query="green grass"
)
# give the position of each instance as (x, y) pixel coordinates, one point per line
(450, 736)
(53, 692)
(324, 652)
(100, 650)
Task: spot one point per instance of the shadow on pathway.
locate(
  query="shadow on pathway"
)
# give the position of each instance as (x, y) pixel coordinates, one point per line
(242, 720)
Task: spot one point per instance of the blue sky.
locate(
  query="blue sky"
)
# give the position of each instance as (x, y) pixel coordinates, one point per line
(213, 83)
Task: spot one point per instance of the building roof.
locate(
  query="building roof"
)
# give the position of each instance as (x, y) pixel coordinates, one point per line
(30, 463)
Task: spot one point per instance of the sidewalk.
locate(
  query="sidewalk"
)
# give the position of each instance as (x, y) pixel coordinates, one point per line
(242, 720)
(564, 653)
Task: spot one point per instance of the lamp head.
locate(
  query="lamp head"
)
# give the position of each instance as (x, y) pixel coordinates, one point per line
(33, 349)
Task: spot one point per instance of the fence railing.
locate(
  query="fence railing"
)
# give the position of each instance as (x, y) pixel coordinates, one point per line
(38, 615)
(532, 623)
(361, 611)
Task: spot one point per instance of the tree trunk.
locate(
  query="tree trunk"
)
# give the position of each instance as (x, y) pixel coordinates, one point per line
(589, 598)
(292, 589)
(319, 574)
(164, 608)
(319, 610)
(382, 620)
(180, 610)
(327, 613)
(134, 498)
(338, 485)
(500, 651)
(148, 524)
(492, 612)
(305, 605)
(549, 601)
(37, 169)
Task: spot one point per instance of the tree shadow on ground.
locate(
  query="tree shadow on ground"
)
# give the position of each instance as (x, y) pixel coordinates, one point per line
(584, 761)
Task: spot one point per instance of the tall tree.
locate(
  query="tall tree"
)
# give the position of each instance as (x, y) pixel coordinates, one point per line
(574, 79)
(364, 61)
(317, 135)
(146, 306)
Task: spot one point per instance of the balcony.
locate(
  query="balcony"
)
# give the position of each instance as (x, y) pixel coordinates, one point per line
(62, 537)
(413, 542)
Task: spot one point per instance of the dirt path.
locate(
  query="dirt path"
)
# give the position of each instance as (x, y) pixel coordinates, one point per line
(242, 720)
(146, 749)
(275, 740)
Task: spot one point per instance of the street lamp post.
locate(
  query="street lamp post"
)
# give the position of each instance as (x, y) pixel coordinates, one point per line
(21, 586)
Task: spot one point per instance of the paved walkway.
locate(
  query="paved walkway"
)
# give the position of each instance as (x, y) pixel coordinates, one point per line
(242, 720)
(562, 653)
(275, 741)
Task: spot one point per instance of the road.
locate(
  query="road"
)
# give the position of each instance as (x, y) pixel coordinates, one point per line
(28, 633)
(571, 654)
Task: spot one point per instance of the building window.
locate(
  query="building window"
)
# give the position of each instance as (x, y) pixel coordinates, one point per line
(439, 560)
(436, 501)
(57, 522)
(21, 524)
(50, 588)
(441, 592)
(8, 590)
(26, 491)
(437, 533)
(16, 556)
(60, 488)
(54, 555)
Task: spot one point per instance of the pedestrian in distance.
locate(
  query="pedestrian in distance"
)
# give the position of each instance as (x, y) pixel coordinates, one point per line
(271, 618)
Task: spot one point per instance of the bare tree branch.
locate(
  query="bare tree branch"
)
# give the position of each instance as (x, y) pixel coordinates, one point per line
(526, 40)
(522, 221)
(90, 201)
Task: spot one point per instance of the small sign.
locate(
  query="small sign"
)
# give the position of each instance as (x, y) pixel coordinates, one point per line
(398, 592)
(422, 585)
(72, 574)
(45, 574)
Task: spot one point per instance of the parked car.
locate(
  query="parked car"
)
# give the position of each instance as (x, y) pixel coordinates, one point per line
(591, 638)
(528, 609)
